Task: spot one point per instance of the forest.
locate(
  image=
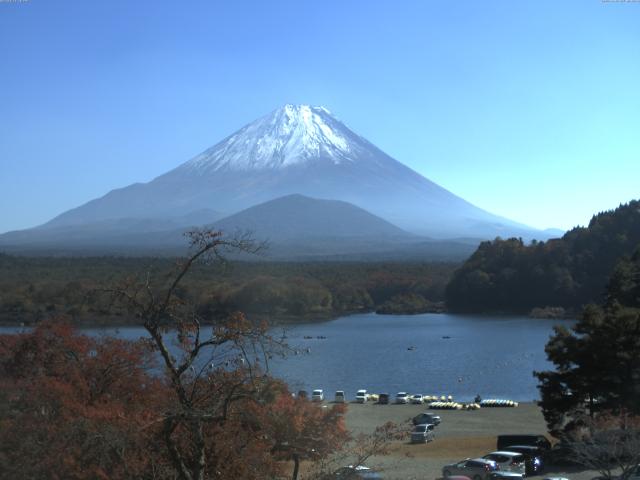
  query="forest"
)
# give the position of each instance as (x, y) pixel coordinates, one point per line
(570, 272)
(33, 289)
(590, 397)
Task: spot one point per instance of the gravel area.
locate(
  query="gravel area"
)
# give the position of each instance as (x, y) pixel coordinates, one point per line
(461, 434)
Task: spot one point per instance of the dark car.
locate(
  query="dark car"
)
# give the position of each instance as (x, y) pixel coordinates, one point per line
(539, 441)
(426, 417)
(383, 399)
(303, 394)
(533, 457)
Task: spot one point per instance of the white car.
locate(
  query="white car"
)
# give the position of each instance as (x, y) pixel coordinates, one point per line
(317, 395)
(361, 396)
(417, 398)
(340, 397)
(508, 461)
(402, 397)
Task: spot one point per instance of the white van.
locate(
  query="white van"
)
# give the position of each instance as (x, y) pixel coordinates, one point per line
(361, 396)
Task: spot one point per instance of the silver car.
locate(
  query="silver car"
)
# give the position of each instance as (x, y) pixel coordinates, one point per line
(508, 461)
(506, 476)
(402, 397)
(474, 468)
(423, 433)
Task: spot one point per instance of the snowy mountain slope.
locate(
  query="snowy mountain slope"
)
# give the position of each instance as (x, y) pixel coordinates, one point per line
(292, 135)
(299, 149)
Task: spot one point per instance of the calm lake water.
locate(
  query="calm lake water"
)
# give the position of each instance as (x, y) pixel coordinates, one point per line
(489, 355)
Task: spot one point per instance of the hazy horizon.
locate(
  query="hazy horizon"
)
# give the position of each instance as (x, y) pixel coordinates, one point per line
(527, 111)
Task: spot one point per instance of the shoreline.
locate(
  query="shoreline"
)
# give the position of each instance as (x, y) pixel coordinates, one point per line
(115, 321)
(274, 321)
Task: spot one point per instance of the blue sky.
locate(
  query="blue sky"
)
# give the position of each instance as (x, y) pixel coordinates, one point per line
(530, 110)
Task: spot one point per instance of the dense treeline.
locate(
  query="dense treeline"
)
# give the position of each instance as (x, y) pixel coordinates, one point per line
(507, 275)
(36, 288)
(597, 360)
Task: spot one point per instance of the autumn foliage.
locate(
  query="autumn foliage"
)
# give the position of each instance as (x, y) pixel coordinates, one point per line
(79, 407)
(191, 401)
(76, 407)
(302, 431)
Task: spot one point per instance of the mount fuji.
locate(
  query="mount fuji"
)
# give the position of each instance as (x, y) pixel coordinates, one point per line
(296, 149)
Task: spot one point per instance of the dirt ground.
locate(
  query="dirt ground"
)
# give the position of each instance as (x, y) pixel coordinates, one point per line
(462, 434)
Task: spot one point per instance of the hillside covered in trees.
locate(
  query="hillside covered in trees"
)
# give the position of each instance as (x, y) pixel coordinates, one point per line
(597, 366)
(509, 276)
(35, 288)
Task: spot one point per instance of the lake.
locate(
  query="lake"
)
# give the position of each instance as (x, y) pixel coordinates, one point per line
(493, 356)
(487, 355)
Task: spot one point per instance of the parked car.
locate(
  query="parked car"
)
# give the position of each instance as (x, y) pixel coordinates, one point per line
(383, 398)
(303, 394)
(402, 397)
(423, 433)
(340, 397)
(474, 468)
(317, 395)
(417, 398)
(355, 473)
(505, 476)
(509, 461)
(533, 457)
(539, 441)
(361, 396)
(426, 417)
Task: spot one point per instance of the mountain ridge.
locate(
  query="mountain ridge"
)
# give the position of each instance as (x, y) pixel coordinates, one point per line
(297, 150)
(297, 216)
(294, 227)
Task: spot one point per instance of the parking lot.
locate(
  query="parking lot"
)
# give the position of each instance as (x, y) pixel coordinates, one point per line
(461, 434)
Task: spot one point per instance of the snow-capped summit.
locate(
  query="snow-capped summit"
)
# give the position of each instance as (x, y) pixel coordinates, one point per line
(290, 135)
(297, 149)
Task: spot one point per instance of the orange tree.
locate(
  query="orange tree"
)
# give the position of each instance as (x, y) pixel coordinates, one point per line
(301, 430)
(213, 374)
(76, 407)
